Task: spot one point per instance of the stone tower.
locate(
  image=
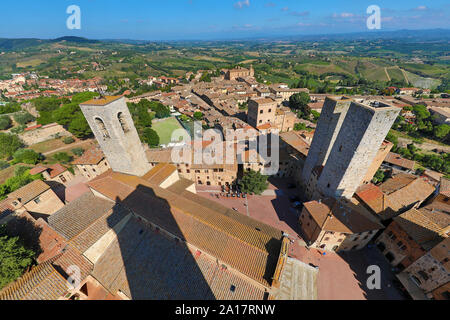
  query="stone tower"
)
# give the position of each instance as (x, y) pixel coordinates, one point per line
(347, 140)
(111, 122)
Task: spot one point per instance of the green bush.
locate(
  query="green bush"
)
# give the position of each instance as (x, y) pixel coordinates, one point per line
(18, 129)
(151, 137)
(5, 122)
(3, 164)
(9, 143)
(24, 118)
(68, 140)
(27, 156)
(62, 157)
(78, 152)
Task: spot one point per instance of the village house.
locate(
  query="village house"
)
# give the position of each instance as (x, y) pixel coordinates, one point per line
(36, 197)
(333, 225)
(92, 163)
(399, 164)
(412, 234)
(396, 195)
(55, 172)
(431, 272)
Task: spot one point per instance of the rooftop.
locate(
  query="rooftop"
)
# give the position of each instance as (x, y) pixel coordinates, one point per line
(29, 192)
(339, 217)
(90, 157)
(217, 230)
(101, 101)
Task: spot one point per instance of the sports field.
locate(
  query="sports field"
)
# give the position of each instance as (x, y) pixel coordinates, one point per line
(165, 128)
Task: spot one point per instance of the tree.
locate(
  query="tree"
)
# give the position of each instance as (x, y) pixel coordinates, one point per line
(78, 152)
(14, 256)
(299, 126)
(392, 138)
(5, 122)
(151, 137)
(198, 116)
(3, 164)
(79, 127)
(27, 156)
(253, 182)
(68, 140)
(62, 157)
(24, 118)
(9, 143)
(442, 131)
(379, 177)
(299, 102)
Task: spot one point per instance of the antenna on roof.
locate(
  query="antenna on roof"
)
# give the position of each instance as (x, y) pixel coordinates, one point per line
(100, 92)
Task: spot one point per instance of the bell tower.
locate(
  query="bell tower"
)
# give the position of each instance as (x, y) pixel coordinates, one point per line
(113, 127)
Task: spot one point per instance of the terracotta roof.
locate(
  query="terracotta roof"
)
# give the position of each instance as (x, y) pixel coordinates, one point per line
(180, 186)
(332, 215)
(143, 264)
(295, 140)
(37, 170)
(91, 157)
(29, 192)
(420, 227)
(45, 282)
(76, 216)
(160, 173)
(376, 200)
(404, 190)
(75, 191)
(101, 102)
(55, 170)
(242, 244)
(445, 187)
(398, 160)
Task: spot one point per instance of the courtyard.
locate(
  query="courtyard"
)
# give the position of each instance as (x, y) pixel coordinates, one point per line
(341, 275)
(164, 128)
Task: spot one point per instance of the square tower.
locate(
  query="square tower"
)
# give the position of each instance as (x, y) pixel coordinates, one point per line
(261, 111)
(345, 152)
(113, 127)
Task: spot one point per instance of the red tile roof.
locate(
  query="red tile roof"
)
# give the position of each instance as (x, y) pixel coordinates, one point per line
(90, 157)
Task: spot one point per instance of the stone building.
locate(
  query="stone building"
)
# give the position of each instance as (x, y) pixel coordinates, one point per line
(412, 234)
(111, 122)
(346, 142)
(36, 197)
(92, 163)
(261, 111)
(55, 172)
(395, 196)
(431, 272)
(385, 148)
(333, 225)
(239, 72)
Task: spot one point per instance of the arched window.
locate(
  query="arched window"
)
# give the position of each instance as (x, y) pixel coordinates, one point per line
(123, 122)
(102, 128)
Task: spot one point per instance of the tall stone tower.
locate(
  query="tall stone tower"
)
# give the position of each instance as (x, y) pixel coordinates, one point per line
(347, 140)
(111, 122)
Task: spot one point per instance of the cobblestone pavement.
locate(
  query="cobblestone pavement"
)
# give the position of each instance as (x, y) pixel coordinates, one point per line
(341, 276)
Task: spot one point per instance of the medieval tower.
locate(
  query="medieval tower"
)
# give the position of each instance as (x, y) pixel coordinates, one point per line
(347, 140)
(111, 122)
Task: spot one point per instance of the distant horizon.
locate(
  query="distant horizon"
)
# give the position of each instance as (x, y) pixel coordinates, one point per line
(254, 38)
(198, 20)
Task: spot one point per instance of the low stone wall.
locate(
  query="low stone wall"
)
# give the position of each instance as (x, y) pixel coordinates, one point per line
(50, 131)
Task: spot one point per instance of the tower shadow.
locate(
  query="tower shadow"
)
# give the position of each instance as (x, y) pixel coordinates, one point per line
(150, 258)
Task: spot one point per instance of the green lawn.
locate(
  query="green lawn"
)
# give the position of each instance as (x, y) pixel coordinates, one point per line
(165, 129)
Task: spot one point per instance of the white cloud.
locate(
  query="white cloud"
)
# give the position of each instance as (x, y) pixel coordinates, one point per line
(242, 4)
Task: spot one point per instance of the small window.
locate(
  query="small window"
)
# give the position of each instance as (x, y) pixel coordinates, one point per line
(102, 128)
(37, 200)
(123, 122)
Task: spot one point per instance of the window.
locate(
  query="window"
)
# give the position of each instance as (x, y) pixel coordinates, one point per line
(261, 112)
(62, 179)
(423, 275)
(327, 239)
(102, 128)
(123, 122)
(340, 240)
(37, 200)
(270, 110)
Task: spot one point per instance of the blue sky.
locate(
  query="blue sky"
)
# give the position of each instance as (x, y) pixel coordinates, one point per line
(213, 19)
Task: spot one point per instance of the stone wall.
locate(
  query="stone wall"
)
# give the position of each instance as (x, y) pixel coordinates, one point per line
(48, 132)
